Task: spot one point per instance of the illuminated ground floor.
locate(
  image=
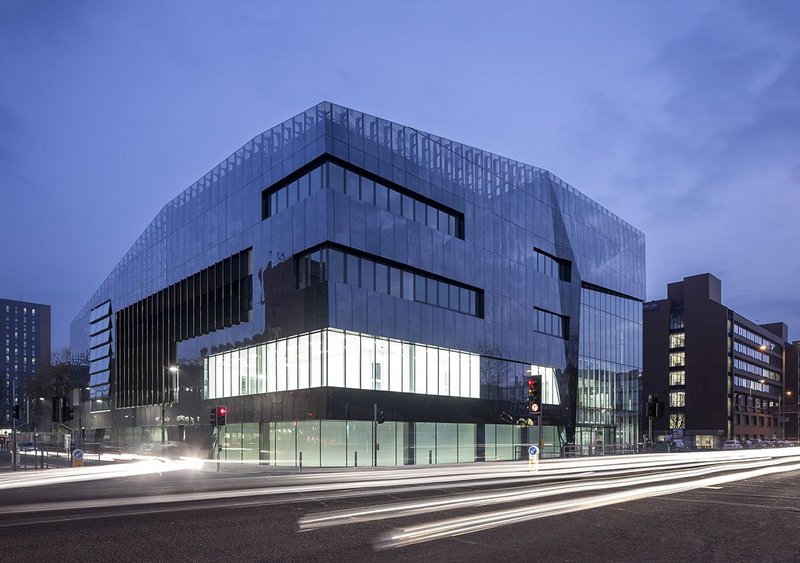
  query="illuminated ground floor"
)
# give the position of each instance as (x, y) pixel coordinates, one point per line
(339, 443)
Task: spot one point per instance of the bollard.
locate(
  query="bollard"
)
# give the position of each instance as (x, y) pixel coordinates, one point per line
(430, 457)
(301, 461)
(355, 459)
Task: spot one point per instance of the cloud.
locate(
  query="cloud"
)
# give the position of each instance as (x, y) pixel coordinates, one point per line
(698, 147)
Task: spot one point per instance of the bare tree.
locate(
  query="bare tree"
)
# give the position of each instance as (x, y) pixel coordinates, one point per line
(48, 382)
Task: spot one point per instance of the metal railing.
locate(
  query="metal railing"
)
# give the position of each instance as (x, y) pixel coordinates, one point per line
(578, 450)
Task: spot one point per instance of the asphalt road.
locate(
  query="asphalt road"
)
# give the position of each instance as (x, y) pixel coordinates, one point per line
(255, 516)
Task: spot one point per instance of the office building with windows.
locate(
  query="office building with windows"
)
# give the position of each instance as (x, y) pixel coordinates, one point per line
(340, 268)
(25, 344)
(791, 378)
(719, 375)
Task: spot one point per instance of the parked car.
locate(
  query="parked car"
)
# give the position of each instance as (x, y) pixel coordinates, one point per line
(678, 446)
(26, 446)
(732, 445)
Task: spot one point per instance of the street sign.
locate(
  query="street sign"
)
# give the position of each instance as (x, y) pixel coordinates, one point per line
(77, 458)
(533, 459)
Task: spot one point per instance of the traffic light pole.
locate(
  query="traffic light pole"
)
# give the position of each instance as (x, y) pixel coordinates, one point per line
(375, 435)
(541, 437)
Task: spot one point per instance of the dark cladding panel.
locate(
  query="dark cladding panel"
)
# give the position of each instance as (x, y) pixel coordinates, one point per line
(148, 331)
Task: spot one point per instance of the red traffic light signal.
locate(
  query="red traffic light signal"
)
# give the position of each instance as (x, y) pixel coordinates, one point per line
(222, 413)
(535, 393)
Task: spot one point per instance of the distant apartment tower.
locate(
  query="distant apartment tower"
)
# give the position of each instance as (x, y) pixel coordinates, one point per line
(720, 375)
(25, 345)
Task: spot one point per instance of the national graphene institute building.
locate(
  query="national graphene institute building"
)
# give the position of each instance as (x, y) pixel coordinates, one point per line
(339, 265)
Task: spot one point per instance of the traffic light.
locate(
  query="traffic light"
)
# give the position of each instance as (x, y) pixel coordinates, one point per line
(222, 413)
(16, 412)
(535, 394)
(655, 408)
(214, 416)
(651, 406)
(381, 417)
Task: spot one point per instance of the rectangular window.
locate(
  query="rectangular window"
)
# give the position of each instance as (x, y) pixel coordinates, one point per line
(408, 286)
(552, 266)
(677, 359)
(381, 278)
(395, 282)
(389, 279)
(677, 340)
(677, 377)
(358, 184)
(367, 274)
(551, 323)
(351, 184)
(676, 319)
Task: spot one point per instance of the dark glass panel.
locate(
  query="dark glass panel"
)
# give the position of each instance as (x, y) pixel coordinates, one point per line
(315, 183)
(419, 288)
(444, 290)
(408, 286)
(351, 270)
(336, 265)
(381, 196)
(408, 207)
(433, 217)
(335, 177)
(368, 191)
(463, 300)
(395, 282)
(420, 212)
(292, 196)
(367, 274)
(305, 186)
(395, 202)
(351, 184)
(432, 295)
(381, 278)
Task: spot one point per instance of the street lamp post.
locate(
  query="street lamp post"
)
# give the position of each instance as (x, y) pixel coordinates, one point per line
(171, 369)
(780, 414)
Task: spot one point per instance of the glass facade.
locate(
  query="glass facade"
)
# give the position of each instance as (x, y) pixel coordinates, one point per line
(341, 359)
(340, 266)
(610, 368)
(362, 186)
(430, 245)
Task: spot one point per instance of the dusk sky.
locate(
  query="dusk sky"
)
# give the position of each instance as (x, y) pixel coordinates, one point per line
(683, 118)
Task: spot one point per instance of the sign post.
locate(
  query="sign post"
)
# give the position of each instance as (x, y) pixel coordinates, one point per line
(533, 459)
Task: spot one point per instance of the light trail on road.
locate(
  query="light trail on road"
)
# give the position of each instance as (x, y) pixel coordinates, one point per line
(475, 523)
(413, 508)
(92, 473)
(503, 483)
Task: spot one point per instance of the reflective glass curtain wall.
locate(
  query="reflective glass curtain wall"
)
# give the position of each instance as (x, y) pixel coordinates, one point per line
(609, 369)
(465, 222)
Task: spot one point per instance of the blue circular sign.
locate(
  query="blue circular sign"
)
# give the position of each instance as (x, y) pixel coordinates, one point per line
(77, 454)
(533, 451)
